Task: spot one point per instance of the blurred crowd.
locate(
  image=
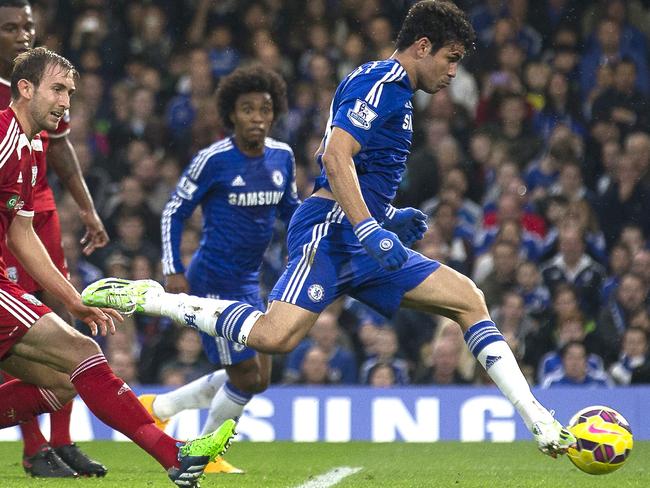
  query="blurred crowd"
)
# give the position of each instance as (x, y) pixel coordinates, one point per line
(534, 167)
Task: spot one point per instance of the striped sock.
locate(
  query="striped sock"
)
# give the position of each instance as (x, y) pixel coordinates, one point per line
(237, 395)
(235, 322)
(479, 335)
(228, 403)
(20, 402)
(491, 350)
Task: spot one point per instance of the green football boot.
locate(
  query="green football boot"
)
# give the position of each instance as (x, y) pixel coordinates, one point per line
(125, 296)
(195, 455)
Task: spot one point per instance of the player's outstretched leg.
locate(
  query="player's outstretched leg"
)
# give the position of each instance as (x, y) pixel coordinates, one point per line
(226, 318)
(278, 332)
(450, 293)
(194, 455)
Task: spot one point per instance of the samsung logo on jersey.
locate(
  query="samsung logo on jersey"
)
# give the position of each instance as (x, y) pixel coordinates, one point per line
(253, 198)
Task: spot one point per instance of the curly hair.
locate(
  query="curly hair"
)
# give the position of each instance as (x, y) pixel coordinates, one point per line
(440, 21)
(252, 79)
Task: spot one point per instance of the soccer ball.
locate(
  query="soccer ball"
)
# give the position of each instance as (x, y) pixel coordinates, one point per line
(604, 440)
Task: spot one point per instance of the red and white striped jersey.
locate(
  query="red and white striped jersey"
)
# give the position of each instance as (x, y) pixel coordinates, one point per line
(18, 171)
(43, 195)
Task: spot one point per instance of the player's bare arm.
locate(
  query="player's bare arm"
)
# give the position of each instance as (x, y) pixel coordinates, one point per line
(342, 174)
(63, 159)
(28, 249)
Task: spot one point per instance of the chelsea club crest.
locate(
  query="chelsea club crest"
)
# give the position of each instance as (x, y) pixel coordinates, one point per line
(277, 178)
(315, 292)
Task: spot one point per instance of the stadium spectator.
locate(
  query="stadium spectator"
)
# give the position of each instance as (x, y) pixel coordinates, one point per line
(620, 260)
(131, 199)
(637, 146)
(561, 106)
(623, 103)
(633, 237)
(381, 375)
(454, 190)
(536, 76)
(512, 317)
(445, 364)
(314, 368)
(131, 238)
(633, 358)
(386, 350)
(188, 359)
(124, 366)
(142, 121)
(571, 264)
(455, 236)
(530, 287)
(575, 370)
(600, 168)
(512, 204)
(325, 334)
(580, 215)
(641, 264)
(503, 275)
(423, 178)
(570, 184)
(413, 329)
(81, 271)
(629, 299)
(513, 128)
(570, 329)
(626, 201)
(479, 151)
(608, 50)
(543, 339)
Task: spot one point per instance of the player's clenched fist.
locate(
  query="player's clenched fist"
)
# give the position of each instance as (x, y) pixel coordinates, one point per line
(408, 223)
(383, 245)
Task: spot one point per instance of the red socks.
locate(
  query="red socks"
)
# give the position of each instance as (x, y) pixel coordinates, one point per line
(60, 426)
(107, 396)
(32, 437)
(113, 402)
(20, 402)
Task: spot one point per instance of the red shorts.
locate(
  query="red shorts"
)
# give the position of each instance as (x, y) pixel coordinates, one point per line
(18, 312)
(47, 227)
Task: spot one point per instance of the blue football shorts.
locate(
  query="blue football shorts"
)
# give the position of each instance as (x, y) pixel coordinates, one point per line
(221, 351)
(326, 261)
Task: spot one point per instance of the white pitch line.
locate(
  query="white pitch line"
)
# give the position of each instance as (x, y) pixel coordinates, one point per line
(331, 478)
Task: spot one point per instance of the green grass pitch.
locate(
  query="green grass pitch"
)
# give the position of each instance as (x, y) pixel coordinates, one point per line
(290, 465)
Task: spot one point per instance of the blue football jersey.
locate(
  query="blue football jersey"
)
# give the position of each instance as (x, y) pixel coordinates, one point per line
(240, 197)
(373, 104)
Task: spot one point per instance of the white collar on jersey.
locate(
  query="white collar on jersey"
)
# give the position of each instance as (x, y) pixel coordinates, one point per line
(4, 82)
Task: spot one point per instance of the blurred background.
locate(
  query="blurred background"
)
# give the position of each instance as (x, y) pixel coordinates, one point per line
(534, 167)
